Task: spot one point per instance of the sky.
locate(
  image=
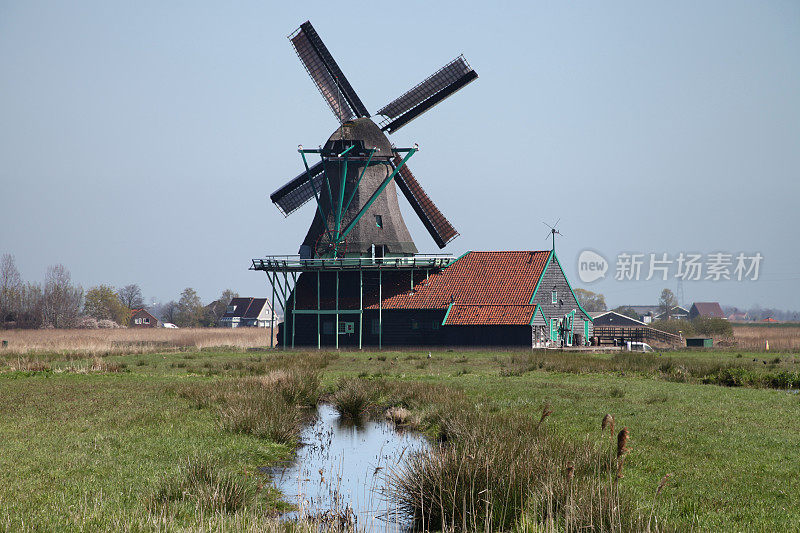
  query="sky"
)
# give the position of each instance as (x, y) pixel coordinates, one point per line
(139, 141)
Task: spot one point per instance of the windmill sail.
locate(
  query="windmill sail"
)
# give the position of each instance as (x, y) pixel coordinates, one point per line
(434, 221)
(331, 82)
(435, 88)
(298, 191)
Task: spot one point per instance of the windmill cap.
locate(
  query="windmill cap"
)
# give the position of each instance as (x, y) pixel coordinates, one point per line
(365, 130)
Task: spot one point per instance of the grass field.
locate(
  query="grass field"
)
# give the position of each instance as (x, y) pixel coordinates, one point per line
(90, 443)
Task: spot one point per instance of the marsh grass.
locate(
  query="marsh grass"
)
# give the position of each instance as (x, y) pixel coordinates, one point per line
(202, 484)
(273, 406)
(495, 470)
(504, 471)
(353, 398)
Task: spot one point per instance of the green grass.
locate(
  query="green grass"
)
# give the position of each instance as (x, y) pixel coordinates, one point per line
(82, 451)
(87, 451)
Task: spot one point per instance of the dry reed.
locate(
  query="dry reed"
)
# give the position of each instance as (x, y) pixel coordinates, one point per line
(780, 337)
(129, 341)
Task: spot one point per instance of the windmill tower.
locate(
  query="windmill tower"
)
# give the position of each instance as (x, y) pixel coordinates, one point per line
(353, 184)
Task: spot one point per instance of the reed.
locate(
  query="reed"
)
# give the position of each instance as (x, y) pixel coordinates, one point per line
(204, 486)
(503, 471)
(353, 398)
(129, 340)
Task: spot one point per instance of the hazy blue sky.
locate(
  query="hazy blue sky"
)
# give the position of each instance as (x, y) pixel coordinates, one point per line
(139, 141)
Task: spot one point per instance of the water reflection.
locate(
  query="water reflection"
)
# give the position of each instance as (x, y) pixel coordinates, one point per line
(341, 470)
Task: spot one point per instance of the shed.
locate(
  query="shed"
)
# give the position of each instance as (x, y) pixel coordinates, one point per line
(699, 342)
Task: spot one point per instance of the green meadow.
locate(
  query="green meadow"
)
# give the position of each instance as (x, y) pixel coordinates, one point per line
(174, 441)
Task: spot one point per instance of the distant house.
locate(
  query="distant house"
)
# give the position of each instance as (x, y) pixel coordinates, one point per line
(676, 313)
(646, 312)
(739, 317)
(141, 318)
(247, 312)
(706, 309)
(612, 318)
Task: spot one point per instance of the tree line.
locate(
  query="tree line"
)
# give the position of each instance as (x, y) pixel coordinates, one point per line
(59, 303)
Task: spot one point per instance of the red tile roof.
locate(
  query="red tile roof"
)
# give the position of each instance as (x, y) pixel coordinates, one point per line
(477, 278)
(490, 315)
(711, 309)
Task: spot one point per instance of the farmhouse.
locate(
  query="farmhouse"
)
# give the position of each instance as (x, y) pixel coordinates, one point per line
(706, 309)
(481, 299)
(141, 318)
(247, 312)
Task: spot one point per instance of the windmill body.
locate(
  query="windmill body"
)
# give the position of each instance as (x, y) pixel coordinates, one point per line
(355, 183)
(380, 230)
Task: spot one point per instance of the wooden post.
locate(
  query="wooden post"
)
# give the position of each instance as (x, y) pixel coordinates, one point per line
(360, 306)
(294, 305)
(319, 336)
(336, 325)
(272, 317)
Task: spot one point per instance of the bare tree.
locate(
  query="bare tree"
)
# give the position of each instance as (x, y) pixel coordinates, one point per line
(62, 300)
(131, 296)
(31, 307)
(10, 288)
(169, 312)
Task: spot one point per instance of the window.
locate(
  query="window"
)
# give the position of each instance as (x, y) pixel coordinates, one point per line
(137, 321)
(435, 324)
(146, 320)
(553, 329)
(379, 221)
(231, 308)
(346, 327)
(327, 327)
(554, 296)
(376, 326)
(414, 323)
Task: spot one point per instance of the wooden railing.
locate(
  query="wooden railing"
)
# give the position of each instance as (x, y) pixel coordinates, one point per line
(608, 334)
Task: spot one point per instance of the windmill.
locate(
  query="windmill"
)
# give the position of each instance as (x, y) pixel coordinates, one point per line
(354, 181)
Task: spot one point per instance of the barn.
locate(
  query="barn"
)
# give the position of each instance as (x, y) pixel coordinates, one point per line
(505, 298)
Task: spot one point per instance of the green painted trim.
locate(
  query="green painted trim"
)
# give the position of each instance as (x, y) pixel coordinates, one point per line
(537, 310)
(358, 183)
(459, 258)
(570, 290)
(372, 198)
(447, 314)
(541, 277)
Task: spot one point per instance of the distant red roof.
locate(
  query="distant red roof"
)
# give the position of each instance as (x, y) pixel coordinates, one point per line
(710, 309)
(479, 279)
(493, 315)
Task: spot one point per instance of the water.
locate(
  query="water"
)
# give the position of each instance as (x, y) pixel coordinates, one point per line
(342, 470)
